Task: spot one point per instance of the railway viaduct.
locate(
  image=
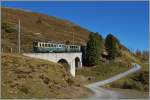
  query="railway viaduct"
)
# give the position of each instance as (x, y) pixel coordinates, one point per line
(73, 59)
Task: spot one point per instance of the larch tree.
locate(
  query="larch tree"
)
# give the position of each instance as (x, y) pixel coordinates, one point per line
(112, 46)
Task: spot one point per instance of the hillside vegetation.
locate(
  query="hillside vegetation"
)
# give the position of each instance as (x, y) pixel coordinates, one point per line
(35, 26)
(103, 58)
(25, 77)
(138, 81)
(102, 71)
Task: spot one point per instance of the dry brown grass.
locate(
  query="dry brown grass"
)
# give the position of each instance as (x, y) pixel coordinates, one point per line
(25, 77)
(50, 28)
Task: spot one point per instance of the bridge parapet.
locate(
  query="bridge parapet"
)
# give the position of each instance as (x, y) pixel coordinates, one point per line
(74, 59)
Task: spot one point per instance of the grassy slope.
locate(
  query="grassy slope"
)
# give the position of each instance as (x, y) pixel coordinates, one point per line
(24, 77)
(138, 81)
(102, 71)
(48, 28)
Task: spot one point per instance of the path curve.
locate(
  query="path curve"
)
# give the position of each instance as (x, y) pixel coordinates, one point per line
(101, 93)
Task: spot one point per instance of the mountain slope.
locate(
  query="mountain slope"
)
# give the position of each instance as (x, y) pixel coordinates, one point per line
(35, 26)
(24, 77)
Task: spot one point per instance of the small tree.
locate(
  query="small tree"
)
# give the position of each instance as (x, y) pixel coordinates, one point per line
(145, 55)
(112, 46)
(8, 27)
(138, 53)
(39, 21)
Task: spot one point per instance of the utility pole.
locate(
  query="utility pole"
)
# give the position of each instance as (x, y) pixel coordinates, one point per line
(19, 38)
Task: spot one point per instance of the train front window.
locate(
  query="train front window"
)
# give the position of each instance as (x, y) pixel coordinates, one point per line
(35, 43)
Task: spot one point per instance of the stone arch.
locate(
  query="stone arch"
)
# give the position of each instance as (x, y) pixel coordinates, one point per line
(77, 63)
(65, 63)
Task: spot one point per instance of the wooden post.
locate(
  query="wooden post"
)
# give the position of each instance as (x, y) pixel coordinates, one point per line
(2, 50)
(10, 50)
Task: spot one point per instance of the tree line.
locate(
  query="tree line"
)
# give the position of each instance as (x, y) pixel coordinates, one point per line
(143, 55)
(95, 46)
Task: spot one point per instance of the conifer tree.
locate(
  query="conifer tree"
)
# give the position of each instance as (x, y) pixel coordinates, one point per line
(112, 46)
(93, 49)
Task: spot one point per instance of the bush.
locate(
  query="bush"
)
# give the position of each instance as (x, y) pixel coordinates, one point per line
(70, 81)
(139, 86)
(24, 89)
(8, 27)
(39, 21)
(127, 85)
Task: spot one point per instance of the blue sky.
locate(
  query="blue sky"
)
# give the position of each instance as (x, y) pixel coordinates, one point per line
(127, 20)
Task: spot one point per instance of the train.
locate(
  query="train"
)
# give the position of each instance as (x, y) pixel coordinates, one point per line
(55, 47)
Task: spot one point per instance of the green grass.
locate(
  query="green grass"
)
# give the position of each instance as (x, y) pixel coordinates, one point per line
(102, 71)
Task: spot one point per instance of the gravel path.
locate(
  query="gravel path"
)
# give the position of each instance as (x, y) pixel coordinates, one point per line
(101, 93)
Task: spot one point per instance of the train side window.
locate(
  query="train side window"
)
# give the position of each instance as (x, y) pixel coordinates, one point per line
(45, 45)
(48, 45)
(51, 45)
(42, 45)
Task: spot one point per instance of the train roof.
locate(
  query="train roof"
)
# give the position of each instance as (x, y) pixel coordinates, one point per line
(60, 42)
(50, 42)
